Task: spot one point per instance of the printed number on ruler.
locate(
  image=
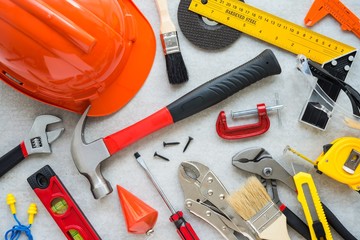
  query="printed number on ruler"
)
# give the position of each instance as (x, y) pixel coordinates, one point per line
(271, 29)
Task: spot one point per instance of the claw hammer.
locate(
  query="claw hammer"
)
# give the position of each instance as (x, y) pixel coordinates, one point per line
(88, 156)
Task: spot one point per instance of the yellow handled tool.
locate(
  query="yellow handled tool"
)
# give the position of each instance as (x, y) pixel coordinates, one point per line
(278, 32)
(310, 201)
(340, 160)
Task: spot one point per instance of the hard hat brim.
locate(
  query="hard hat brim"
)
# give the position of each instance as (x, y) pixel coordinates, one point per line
(134, 73)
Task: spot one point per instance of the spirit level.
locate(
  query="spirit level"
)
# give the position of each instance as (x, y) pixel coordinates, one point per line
(61, 206)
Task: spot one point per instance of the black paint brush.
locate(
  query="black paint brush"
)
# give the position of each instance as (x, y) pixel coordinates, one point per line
(175, 64)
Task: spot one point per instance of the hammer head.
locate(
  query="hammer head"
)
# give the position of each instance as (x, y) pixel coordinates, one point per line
(88, 157)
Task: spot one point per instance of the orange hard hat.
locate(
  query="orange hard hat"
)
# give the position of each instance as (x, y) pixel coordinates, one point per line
(76, 53)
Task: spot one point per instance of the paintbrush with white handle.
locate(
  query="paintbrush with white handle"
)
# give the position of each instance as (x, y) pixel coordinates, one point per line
(175, 65)
(254, 204)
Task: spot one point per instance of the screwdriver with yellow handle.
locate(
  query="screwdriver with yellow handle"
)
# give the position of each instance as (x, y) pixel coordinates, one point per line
(313, 210)
(184, 229)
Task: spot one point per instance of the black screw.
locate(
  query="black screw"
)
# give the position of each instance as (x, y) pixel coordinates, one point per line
(187, 144)
(159, 156)
(170, 143)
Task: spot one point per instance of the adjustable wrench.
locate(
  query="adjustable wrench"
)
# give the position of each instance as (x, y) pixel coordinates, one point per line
(88, 157)
(37, 141)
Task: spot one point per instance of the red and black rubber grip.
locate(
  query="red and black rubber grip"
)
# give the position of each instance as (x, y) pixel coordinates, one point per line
(12, 158)
(204, 96)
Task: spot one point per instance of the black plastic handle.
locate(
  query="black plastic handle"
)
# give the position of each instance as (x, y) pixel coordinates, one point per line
(296, 223)
(336, 224)
(222, 87)
(10, 159)
(41, 178)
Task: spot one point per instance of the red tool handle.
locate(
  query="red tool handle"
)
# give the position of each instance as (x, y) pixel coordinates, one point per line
(206, 95)
(184, 229)
(123, 138)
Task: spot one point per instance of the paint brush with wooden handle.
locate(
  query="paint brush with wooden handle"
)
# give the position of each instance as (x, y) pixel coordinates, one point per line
(175, 65)
(254, 204)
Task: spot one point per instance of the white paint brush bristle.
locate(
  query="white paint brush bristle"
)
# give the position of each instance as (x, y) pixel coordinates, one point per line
(254, 204)
(249, 199)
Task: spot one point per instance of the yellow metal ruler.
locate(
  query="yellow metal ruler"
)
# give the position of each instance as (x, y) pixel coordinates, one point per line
(272, 29)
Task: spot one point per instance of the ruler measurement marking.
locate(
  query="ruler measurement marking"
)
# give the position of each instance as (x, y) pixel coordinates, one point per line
(252, 20)
(274, 22)
(312, 49)
(330, 53)
(272, 29)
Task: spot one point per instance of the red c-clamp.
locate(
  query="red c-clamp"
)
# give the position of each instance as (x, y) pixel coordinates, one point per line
(248, 130)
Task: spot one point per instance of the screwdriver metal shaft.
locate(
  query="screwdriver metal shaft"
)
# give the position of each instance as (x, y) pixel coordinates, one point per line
(184, 229)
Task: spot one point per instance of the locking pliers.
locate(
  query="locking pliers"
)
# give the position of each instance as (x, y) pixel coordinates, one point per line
(258, 161)
(205, 197)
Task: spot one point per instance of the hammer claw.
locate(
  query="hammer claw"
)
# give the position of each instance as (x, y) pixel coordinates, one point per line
(88, 157)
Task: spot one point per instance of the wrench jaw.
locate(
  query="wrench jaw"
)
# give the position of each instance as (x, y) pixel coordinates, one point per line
(39, 139)
(254, 154)
(259, 162)
(188, 176)
(88, 157)
(205, 196)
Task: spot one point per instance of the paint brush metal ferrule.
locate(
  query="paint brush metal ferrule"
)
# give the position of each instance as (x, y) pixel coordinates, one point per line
(265, 217)
(170, 42)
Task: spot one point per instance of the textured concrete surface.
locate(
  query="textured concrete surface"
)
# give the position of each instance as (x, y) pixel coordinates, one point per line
(17, 113)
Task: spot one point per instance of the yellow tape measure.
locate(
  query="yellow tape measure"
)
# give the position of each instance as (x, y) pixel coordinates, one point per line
(272, 29)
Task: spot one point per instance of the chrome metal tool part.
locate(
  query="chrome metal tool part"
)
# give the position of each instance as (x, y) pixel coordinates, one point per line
(184, 229)
(258, 161)
(89, 156)
(205, 197)
(37, 141)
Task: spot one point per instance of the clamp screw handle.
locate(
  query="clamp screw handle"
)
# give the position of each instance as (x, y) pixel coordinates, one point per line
(254, 111)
